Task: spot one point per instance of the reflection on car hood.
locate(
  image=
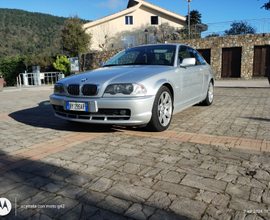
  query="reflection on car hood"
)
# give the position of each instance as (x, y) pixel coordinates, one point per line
(109, 75)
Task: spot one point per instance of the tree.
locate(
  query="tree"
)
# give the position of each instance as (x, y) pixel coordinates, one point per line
(213, 35)
(184, 33)
(103, 35)
(62, 64)
(162, 32)
(74, 38)
(195, 17)
(44, 61)
(25, 32)
(266, 6)
(11, 68)
(240, 28)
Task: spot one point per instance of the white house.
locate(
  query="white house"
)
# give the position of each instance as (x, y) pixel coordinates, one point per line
(141, 22)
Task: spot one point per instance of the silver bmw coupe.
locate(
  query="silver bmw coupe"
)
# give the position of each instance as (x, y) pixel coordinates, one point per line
(144, 86)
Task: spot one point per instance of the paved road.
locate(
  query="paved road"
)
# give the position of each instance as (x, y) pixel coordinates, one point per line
(212, 163)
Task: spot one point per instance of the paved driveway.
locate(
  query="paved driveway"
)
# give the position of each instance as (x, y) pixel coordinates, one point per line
(212, 163)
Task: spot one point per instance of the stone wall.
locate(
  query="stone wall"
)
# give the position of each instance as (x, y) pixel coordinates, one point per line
(247, 42)
(91, 61)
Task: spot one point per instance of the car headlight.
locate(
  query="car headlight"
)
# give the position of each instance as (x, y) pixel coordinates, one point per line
(59, 89)
(126, 89)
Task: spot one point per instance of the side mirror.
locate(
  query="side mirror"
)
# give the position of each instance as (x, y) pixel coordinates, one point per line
(188, 62)
(102, 64)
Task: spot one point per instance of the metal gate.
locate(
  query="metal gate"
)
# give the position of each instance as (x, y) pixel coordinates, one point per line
(231, 62)
(261, 60)
(39, 78)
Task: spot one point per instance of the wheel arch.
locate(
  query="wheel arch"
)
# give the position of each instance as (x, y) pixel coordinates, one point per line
(164, 82)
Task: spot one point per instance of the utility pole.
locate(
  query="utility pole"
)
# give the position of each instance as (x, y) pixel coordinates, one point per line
(188, 18)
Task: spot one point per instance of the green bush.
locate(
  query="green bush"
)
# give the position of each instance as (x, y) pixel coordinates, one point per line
(62, 64)
(11, 68)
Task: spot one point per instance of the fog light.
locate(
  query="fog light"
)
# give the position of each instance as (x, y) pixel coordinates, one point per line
(123, 112)
(57, 107)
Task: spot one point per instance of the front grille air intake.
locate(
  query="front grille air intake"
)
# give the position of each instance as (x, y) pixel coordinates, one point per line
(73, 89)
(89, 90)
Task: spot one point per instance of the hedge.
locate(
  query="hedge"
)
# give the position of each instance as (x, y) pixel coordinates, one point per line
(11, 68)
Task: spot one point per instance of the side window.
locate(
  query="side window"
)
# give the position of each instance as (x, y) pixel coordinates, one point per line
(199, 59)
(184, 52)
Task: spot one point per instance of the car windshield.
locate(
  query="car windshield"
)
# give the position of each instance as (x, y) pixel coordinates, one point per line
(145, 55)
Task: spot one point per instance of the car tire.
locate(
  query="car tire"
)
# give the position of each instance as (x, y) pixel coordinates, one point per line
(210, 95)
(162, 111)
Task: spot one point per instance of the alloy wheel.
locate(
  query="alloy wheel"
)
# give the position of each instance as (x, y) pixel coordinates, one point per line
(165, 108)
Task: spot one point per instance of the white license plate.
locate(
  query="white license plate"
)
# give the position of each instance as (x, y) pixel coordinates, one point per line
(77, 106)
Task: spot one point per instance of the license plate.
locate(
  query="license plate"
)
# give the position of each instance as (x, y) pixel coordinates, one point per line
(77, 106)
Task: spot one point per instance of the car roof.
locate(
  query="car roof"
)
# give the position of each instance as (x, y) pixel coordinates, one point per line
(163, 44)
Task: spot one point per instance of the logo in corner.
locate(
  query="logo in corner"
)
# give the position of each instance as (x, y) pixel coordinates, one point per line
(84, 80)
(5, 206)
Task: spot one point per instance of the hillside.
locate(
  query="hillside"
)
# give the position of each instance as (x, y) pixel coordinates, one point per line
(23, 32)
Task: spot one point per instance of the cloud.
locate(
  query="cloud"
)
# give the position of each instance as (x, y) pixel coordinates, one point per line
(111, 4)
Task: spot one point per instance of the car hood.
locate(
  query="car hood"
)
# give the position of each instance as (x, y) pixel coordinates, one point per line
(110, 75)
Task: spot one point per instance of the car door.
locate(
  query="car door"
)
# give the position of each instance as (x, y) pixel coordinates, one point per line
(190, 77)
(202, 74)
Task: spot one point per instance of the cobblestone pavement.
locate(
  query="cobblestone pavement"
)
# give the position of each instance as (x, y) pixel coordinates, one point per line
(212, 163)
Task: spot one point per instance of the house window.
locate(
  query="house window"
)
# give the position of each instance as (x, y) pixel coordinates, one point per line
(154, 20)
(129, 41)
(152, 40)
(129, 20)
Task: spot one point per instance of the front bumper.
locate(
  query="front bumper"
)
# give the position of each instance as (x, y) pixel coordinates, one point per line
(119, 111)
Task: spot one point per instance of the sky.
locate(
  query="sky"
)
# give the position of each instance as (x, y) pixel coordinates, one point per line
(212, 11)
